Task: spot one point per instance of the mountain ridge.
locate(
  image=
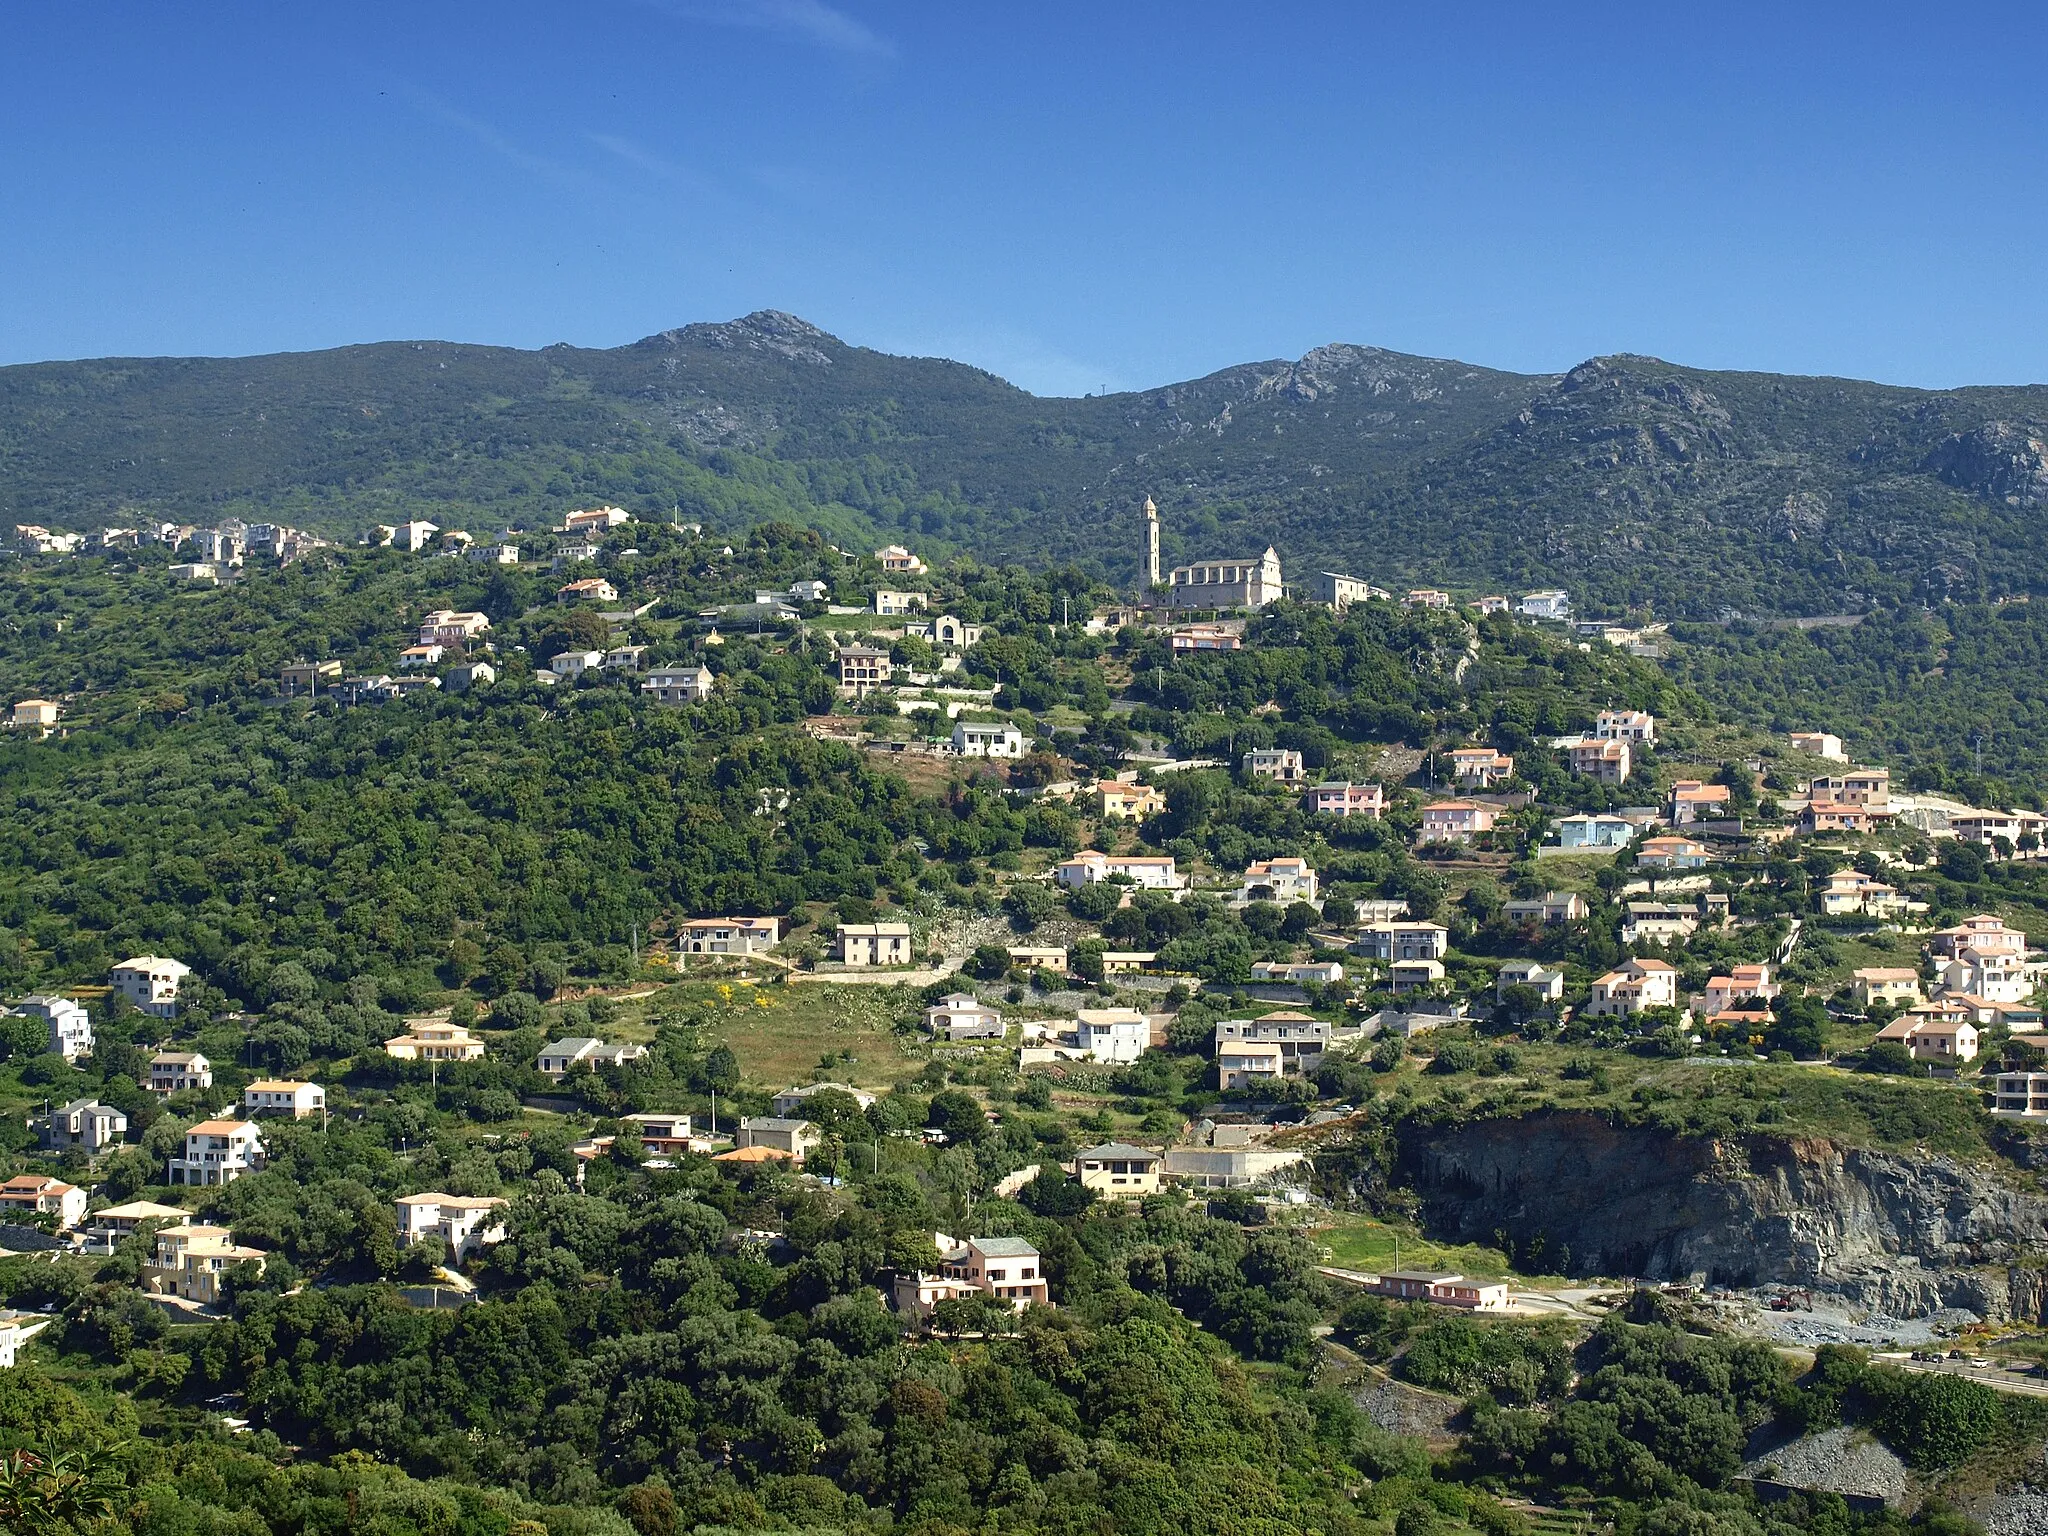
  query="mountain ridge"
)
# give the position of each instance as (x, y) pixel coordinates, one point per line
(1635, 482)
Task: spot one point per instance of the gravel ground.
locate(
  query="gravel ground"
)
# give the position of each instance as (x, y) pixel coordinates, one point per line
(1404, 1411)
(2017, 1514)
(1841, 1460)
(1830, 1322)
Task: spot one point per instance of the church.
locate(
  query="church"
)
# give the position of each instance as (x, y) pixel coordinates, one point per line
(1241, 583)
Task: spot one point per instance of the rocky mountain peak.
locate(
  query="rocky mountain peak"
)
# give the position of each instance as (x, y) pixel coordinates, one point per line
(765, 330)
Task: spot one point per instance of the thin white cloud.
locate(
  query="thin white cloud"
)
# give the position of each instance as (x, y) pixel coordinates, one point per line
(809, 21)
(635, 155)
(494, 141)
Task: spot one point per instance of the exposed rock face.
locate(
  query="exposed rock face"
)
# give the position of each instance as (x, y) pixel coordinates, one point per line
(765, 330)
(2002, 460)
(1900, 1233)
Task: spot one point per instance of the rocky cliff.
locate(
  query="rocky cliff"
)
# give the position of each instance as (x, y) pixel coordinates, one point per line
(1902, 1233)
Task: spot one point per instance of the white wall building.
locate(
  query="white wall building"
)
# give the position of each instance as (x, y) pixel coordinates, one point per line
(999, 740)
(69, 1024)
(464, 1223)
(150, 983)
(1112, 1034)
(217, 1152)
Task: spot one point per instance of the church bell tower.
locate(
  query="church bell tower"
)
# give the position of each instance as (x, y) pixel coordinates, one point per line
(1151, 545)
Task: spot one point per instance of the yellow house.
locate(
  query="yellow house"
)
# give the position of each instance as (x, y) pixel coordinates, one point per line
(435, 1040)
(1886, 984)
(193, 1260)
(1116, 801)
(1118, 1170)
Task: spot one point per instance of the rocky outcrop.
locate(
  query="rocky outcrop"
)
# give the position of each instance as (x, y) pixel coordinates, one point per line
(1900, 1233)
(2001, 460)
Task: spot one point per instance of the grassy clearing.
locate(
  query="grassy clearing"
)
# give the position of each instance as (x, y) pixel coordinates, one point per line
(1363, 1242)
(781, 1033)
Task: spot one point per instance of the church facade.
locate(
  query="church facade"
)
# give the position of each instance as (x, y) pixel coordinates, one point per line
(1242, 583)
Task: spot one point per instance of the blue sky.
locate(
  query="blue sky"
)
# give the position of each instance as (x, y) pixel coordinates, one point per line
(1078, 197)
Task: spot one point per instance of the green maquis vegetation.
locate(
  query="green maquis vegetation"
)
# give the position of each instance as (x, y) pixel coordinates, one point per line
(649, 1334)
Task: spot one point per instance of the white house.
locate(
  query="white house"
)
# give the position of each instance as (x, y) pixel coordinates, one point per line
(464, 1223)
(1278, 880)
(69, 1024)
(1933, 1038)
(596, 520)
(282, 1096)
(1551, 604)
(664, 1135)
(448, 626)
(1819, 744)
(1302, 1039)
(1112, 1034)
(1296, 972)
(1149, 872)
(576, 663)
(150, 983)
(1548, 984)
(218, 1152)
(432, 1039)
(895, 604)
(1001, 739)
(1995, 977)
(558, 1058)
(83, 1123)
(896, 558)
(1551, 907)
(960, 1016)
(43, 1195)
(175, 1071)
(1626, 725)
(1343, 798)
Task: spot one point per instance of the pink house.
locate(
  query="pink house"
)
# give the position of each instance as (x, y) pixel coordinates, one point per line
(1456, 821)
(1348, 799)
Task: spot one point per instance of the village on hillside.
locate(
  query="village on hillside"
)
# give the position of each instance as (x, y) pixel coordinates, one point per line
(1647, 888)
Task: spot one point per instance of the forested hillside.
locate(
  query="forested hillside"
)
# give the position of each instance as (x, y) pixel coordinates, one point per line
(664, 1338)
(1630, 481)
